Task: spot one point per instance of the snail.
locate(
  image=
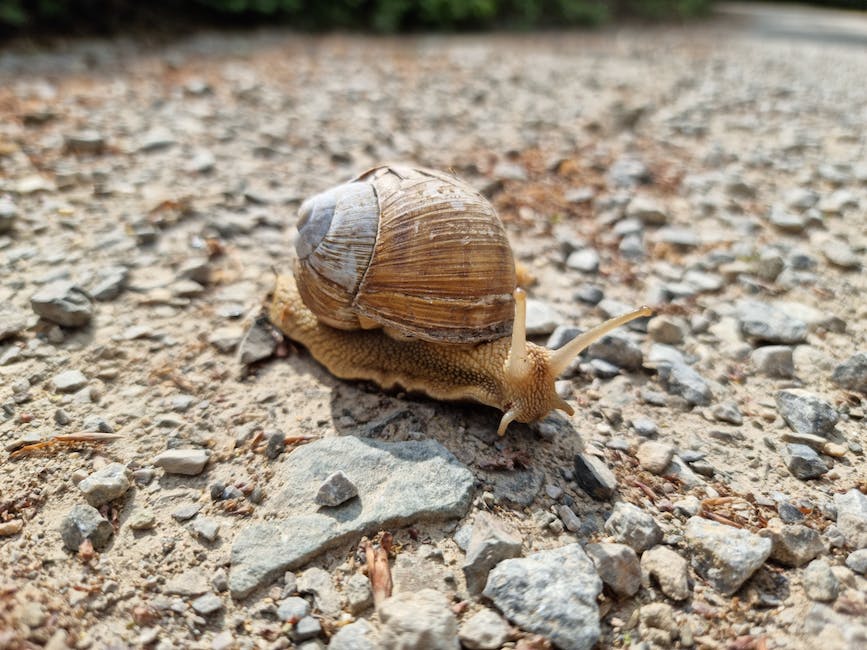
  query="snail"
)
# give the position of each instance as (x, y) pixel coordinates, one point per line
(404, 276)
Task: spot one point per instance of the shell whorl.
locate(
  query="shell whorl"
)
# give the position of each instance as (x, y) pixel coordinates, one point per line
(414, 251)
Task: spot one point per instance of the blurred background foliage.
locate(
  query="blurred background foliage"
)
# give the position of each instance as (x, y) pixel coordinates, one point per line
(383, 16)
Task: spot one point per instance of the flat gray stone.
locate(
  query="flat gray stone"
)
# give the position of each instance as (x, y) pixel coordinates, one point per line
(723, 555)
(188, 462)
(106, 484)
(63, 303)
(552, 593)
(765, 322)
(68, 381)
(398, 484)
(774, 361)
(806, 413)
(207, 604)
(258, 343)
(292, 609)
(620, 350)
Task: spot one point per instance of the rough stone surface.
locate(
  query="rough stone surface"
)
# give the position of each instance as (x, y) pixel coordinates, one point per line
(654, 456)
(594, 477)
(852, 517)
(432, 485)
(106, 484)
(617, 566)
(765, 322)
(359, 635)
(418, 620)
(668, 569)
(189, 462)
(793, 545)
(723, 555)
(63, 303)
(552, 593)
(335, 489)
(803, 462)
(84, 522)
(12, 320)
(774, 361)
(485, 630)
(68, 381)
(851, 374)
(490, 543)
(632, 526)
(819, 581)
(806, 413)
(318, 582)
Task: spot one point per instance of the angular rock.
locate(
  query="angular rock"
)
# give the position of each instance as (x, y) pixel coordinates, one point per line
(552, 593)
(258, 343)
(806, 413)
(207, 604)
(490, 543)
(765, 322)
(852, 517)
(360, 635)
(307, 628)
(656, 624)
(668, 569)
(594, 477)
(819, 581)
(292, 609)
(542, 318)
(723, 555)
(774, 361)
(335, 489)
(206, 528)
(654, 456)
(850, 375)
(109, 283)
(398, 484)
(617, 565)
(622, 351)
(857, 561)
(803, 462)
(632, 526)
(8, 214)
(318, 582)
(63, 303)
(418, 620)
(84, 522)
(13, 321)
(485, 630)
(677, 377)
(106, 484)
(69, 381)
(647, 210)
(189, 462)
(358, 592)
(793, 545)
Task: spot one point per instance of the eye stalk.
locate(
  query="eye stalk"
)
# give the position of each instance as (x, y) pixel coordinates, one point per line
(530, 371)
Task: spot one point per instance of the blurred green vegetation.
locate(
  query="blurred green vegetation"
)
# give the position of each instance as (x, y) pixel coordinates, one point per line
(384, 16)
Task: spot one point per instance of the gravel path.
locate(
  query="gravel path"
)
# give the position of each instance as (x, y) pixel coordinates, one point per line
(709, 492)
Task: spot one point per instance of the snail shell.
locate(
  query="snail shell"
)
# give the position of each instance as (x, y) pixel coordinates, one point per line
(414, 251)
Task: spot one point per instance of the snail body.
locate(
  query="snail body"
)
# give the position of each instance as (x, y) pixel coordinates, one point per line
(461, 334)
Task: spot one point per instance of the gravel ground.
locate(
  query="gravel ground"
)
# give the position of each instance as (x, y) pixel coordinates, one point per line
(709, 492)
